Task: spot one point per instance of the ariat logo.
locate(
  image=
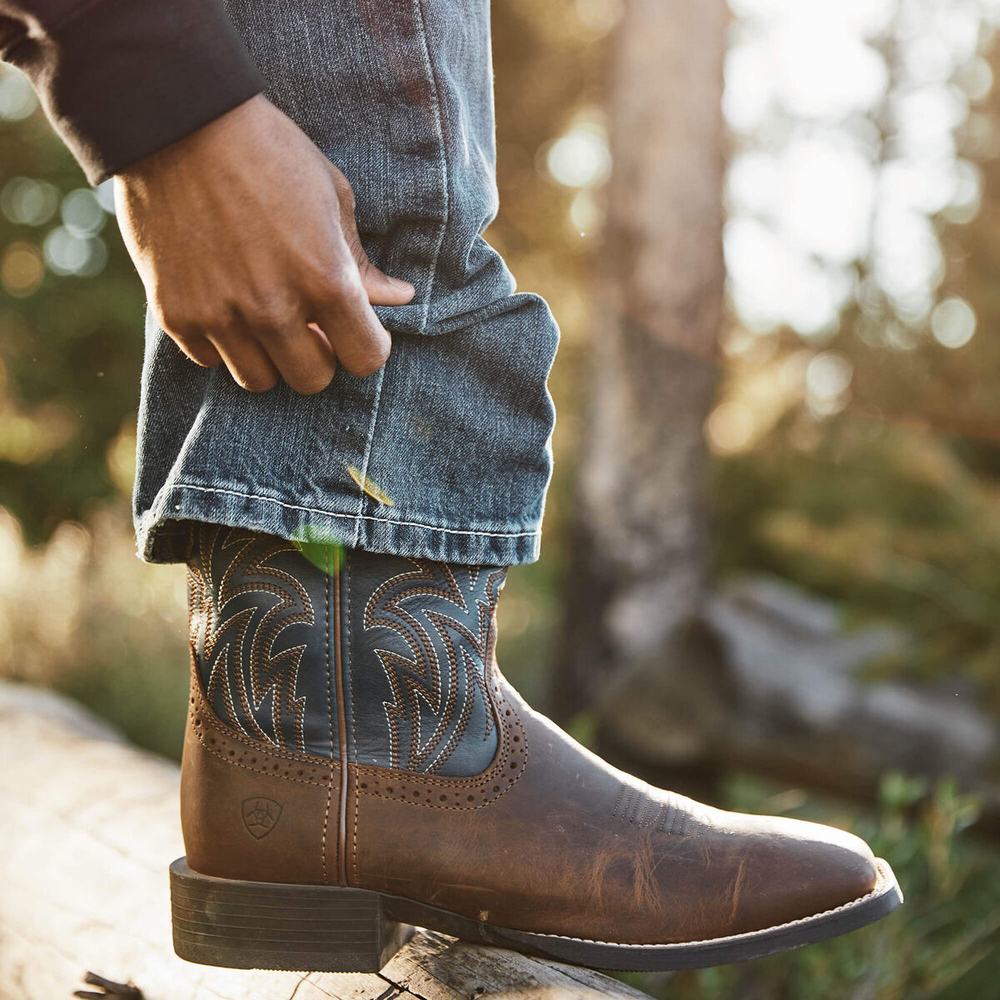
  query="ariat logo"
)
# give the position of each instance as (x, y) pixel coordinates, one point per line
(260, 816)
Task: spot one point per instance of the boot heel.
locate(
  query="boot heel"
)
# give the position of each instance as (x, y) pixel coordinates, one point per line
(264, 925)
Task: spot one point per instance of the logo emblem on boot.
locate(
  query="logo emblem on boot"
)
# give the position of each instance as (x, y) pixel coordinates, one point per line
(260, 816)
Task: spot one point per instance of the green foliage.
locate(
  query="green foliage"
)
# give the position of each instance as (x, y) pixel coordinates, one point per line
(70, 334)
(889, 520)
(146, 700)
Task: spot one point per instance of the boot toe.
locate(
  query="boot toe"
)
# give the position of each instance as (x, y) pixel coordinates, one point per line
(798, 869)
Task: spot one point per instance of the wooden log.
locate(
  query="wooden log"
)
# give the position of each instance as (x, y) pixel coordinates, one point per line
(90, 824)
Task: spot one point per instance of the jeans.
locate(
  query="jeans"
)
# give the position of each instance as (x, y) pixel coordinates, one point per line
(444, 453)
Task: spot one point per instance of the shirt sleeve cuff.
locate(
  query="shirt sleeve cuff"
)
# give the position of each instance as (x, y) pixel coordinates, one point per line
(128, 77)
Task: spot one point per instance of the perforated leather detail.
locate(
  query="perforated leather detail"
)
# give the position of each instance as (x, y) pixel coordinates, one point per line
(231, 747)
(441, 792)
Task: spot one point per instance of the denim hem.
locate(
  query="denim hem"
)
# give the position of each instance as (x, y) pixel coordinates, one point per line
(161, 536)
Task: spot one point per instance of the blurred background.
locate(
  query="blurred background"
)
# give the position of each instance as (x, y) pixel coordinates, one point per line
(771, 575)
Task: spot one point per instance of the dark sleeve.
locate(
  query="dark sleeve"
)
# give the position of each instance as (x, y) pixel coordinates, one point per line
(123, 78)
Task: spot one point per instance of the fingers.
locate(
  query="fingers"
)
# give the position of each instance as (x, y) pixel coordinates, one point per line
(199, 350)
(342, 312)
(302, 355)
(259, 348)
(246, 360)
(380, 289)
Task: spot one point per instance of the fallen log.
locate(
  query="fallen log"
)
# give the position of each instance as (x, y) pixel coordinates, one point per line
(90, 824)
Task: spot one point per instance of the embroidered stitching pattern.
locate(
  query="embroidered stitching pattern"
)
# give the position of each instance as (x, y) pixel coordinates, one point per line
(442, 792)
(254, 683)
(640, 809)
(232, 748)
(418, 684)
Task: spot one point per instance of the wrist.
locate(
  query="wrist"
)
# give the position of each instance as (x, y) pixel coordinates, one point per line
(195, 144)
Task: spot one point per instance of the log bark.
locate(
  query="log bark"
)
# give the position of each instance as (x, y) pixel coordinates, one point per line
(639, 554)
(89, 827)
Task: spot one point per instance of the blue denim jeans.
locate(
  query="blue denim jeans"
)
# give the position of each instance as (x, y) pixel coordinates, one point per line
(443, 454)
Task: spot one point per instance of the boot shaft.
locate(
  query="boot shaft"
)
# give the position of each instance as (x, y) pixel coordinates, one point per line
(342, 654)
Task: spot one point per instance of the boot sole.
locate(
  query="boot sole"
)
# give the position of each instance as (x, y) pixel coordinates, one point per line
(313, 928)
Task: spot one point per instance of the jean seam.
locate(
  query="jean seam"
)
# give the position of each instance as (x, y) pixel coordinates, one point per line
(442, 158)
(362, 486)
(362, 517)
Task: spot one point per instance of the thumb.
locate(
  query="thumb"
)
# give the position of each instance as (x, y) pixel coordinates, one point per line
(380, 288)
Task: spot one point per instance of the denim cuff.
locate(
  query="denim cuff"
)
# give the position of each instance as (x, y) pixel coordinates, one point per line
(163, 533)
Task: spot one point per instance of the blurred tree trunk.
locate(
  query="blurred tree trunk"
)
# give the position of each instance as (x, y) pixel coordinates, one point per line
(638, 576)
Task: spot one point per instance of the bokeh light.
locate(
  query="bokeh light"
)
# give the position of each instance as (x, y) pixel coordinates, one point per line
(953, 322)
(580, 158)
(29, 202)
(17, 99)
(21, 269)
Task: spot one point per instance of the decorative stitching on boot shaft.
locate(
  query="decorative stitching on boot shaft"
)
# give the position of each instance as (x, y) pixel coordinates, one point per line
(234, 748)
(437, 688)
(423, 686)
(237, 625)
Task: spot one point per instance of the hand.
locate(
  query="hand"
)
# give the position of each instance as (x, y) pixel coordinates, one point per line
(245, 238)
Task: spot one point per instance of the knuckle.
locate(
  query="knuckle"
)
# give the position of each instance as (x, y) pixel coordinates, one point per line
(342, 284)
(218, 318)
(268, 316)
(264, 328)
(170, 317)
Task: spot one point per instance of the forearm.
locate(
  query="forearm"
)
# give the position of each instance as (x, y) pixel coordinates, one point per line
(123, 78)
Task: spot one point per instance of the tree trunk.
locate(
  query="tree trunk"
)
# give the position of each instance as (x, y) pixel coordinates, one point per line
(640, 559)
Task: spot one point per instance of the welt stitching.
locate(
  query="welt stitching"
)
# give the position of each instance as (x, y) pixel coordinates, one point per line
(442, 158)
(351, 517)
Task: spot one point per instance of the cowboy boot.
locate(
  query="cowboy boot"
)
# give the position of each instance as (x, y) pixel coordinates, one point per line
(355, 764)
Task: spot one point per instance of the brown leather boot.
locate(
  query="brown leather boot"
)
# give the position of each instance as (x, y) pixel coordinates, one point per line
(355, 764)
